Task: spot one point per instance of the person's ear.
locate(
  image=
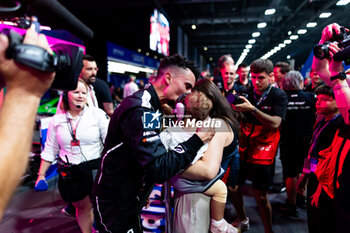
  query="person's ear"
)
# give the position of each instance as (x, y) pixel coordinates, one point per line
(168, 78)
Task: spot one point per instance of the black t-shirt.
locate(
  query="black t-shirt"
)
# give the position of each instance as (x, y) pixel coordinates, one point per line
(240, 87)
(273, 102)
(103, 95)
(300, 116)
(219, 82)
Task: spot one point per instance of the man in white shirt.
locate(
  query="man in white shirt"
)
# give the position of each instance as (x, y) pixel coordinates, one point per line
(130, 87)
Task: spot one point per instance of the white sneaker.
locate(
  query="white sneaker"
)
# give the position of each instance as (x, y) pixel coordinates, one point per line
(241, 224)
(223, 227)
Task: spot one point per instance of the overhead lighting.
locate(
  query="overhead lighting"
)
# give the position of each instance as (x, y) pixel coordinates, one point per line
(255, 34)
(155, 57)
(302, 31)
(147, 53)
(118, 67)
(47, 28)
(288, 57)
(246, 50)
(248, 46)
(270, 11)
(294, 37)
(193, 26)
(139, 50)
(251, 41)
(205, 48)
(343, 2)
(281, 45)
(325, 15)
(210, 58)
(261, 25)
(289, 33)
(311, 25)
(277, 48)
(287, 41)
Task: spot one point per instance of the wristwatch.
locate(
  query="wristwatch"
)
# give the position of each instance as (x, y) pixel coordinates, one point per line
(340, 76)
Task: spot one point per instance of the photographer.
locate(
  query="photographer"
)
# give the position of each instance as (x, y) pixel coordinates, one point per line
(25, 86)
(333, 168)
(264, 109)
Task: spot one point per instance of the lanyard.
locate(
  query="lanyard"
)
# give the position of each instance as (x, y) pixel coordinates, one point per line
(72, 130)
(263, 96)
(317, 133)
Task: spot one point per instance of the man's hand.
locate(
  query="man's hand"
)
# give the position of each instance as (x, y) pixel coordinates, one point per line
(206, 134)
(20, 77)
(328, 32)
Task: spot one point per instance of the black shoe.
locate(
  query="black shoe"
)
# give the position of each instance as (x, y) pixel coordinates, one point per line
(301, 201)
(289, 209)
(69, 210)
(278, 188)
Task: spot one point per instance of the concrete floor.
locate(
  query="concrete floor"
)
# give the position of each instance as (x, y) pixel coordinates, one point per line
(39, 212)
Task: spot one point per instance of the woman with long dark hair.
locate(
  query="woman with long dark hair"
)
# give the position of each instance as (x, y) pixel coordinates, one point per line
(223, 147)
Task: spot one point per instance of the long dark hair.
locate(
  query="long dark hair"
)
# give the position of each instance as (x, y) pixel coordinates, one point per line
(221, 108)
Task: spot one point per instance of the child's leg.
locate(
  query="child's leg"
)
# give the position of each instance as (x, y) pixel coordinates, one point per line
(218, 192)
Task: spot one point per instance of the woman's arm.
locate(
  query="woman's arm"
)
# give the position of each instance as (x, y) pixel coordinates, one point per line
(44, 166)
(208, 166)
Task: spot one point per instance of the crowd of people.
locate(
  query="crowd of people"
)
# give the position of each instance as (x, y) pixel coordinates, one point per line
(109, 159)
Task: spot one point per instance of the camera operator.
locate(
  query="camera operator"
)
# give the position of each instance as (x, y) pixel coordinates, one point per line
(333, 168)
(25, 87)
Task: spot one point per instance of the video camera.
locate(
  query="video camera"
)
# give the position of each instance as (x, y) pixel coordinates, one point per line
(321, 51)
(66, 60)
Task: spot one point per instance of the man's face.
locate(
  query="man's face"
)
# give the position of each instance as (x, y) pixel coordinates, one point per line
(277, 73)
(180, 82)
(260, 81)
(89, 71)
(228, 75)
(242, 73)
(325, 104)
(315, 79)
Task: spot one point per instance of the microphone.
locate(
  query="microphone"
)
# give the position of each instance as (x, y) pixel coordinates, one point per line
(54, 10)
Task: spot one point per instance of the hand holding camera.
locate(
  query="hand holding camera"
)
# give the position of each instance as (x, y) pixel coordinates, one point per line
(16, 76)
(335, 42)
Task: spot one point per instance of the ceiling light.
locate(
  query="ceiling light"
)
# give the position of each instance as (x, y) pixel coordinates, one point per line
(287, 41)
(288, 57)
(325, 15)
(289, 33)
(210, 58)
(193, 26)
(139, 50)
(311, 25)
(155, 57)
(261, 25)
(255, 34)
(282, 45)
(251, 41)
(342, 2)
(277, 48)
(302, 31)
(147, 53)
(270, 11)
(246, 50)
(248, 46)
(205, 48)
(294, 37)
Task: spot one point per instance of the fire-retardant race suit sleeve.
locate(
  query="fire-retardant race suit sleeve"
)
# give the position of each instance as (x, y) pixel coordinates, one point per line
(146, 147)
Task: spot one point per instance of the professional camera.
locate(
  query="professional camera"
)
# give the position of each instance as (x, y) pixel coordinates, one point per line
(321, 51)
(234, 99)
(66, 60)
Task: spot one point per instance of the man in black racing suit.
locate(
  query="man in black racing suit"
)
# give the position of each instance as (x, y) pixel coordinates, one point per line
(134, 157)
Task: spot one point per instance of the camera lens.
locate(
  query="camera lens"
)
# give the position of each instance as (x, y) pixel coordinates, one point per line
(321, 51)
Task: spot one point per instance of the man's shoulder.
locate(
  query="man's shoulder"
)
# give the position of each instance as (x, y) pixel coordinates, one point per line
(278, 93)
